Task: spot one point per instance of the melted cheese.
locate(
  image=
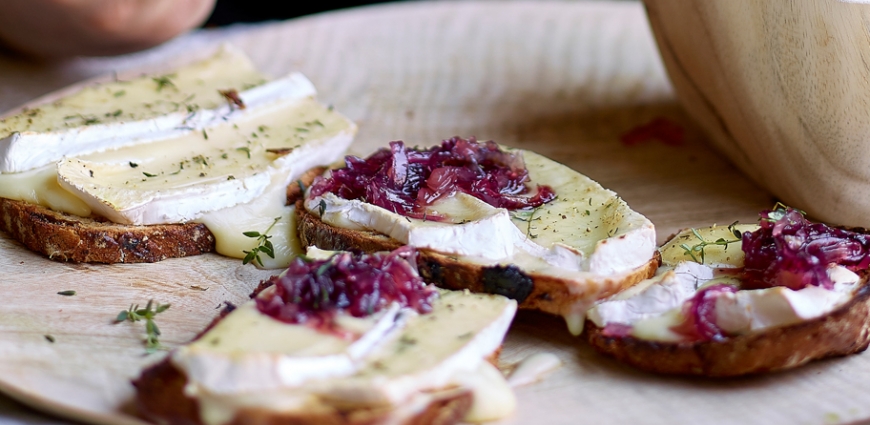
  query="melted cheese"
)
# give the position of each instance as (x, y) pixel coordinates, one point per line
(587, 234)
(419, 355)
(122, 113)
(225, 167)
(533, 368)
(230, 164)
(653, 307)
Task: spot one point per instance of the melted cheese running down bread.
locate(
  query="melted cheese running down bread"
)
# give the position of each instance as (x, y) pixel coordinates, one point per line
(561, 257)
(214, 142)
(395, 362)
(762, 329)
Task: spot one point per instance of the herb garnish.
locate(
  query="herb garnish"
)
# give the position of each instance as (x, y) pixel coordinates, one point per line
(135, 314)
(149, 174)
(133, 164)
(49, 338)
(246, 150)
(264, 245)
(164, 81)
(67, 293)
(701, 246)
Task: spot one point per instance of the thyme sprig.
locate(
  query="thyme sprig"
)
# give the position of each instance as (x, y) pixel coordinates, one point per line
(701, 246)
(264, 245)
(152, 332)
(163, 82)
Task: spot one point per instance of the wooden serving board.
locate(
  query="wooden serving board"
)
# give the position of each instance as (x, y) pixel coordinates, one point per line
(566, 79)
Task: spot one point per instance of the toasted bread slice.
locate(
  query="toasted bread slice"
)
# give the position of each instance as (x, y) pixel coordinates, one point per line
(545, 293)
(708, 313)
(65, 237)
(842, 332)
(182, 388)
(161, 399)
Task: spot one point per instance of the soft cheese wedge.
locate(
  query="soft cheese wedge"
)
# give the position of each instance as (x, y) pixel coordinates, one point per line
(214, 142)
(653, 308)
(709, 312)
(257, 363)
(314, 347)
(584, 245)
(116, 114)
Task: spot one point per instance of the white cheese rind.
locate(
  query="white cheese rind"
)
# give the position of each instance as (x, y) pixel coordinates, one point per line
(556, 244)
(653, 311)
(230, 359)
(754, 310)
(669, 289)
(30, 145)
(422, 354)
(179, 193)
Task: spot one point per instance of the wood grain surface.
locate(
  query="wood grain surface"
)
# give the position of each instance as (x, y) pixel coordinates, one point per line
(782, 89)
(566, 79)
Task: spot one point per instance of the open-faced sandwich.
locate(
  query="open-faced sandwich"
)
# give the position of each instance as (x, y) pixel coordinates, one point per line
(170, 165)
(744, 299)
(486, 218)
(340, 338)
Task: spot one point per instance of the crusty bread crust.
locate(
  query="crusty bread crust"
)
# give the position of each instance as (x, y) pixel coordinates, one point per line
(65, 237)
(160, 399)
(842, 332)
(532, 291)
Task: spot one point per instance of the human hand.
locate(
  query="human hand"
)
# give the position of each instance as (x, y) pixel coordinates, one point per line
(56, 29)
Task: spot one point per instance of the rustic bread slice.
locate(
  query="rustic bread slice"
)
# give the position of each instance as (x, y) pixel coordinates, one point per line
(161, 399)
(161, 395)
(66, 237)
(842, 332)
(545, 293)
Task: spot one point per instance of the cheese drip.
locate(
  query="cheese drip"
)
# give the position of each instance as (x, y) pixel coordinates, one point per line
(586, 235)
(230, 175)
(431, 355)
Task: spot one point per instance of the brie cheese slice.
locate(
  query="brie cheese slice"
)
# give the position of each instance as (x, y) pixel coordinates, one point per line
(249, 351)
(233, 367)
(200, 173)
(587, 229)
(653, 307)
(124, 113)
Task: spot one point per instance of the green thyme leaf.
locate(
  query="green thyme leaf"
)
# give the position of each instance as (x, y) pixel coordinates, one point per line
(264, 245)
(163, 82)
(152, 331)
(67, 293)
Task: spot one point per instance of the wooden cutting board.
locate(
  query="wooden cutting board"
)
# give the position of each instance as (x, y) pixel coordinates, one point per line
(566, 79)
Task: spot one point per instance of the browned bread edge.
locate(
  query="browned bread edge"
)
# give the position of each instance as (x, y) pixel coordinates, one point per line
(160, 399)
(64, 237)
(842, 332)
(532, 291)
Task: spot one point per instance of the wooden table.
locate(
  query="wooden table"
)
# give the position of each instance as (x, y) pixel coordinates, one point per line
(563, 78)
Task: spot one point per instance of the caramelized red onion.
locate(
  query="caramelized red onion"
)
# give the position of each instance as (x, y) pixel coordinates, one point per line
(406, 181)
(788, 250)
(314, 291)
